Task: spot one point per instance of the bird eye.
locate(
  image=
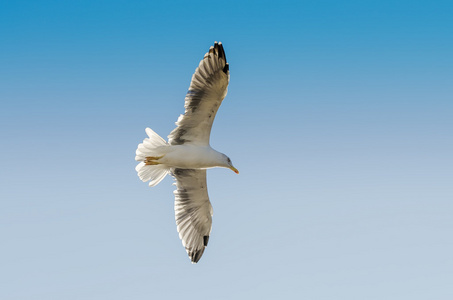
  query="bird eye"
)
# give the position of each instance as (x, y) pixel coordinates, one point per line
(229, 160)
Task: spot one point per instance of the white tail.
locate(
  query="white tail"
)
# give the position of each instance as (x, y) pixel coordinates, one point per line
(154, 146)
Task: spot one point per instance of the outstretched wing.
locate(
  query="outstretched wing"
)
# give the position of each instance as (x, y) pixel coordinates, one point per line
(206, 92)
(193, 211)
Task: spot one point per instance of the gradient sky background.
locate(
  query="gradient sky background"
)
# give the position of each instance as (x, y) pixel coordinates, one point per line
(339, 117)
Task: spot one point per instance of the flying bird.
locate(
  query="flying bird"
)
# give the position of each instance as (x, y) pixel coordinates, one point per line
(187, 154)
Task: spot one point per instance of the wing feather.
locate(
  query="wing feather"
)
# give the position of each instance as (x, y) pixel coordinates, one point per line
(207, 89)
(193, 211)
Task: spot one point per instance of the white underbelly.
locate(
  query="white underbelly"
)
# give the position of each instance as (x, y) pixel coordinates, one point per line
(188, 157)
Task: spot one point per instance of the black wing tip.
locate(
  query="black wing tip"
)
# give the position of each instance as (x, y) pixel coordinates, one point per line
(195, 256)
(218, 47)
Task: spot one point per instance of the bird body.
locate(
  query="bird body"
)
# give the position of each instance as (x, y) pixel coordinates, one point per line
(187, 154)
(194, 157)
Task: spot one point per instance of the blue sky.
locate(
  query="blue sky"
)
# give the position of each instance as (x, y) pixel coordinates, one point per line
(338, 116)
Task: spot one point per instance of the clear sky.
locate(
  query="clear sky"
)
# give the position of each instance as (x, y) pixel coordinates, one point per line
(339, 118)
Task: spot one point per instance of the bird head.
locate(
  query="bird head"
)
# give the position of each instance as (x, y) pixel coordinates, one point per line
(229, 164)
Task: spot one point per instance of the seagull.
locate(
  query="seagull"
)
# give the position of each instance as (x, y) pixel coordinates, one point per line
(187, 154)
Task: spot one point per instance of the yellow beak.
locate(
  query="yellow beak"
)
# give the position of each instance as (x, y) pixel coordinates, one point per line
(235, 170)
